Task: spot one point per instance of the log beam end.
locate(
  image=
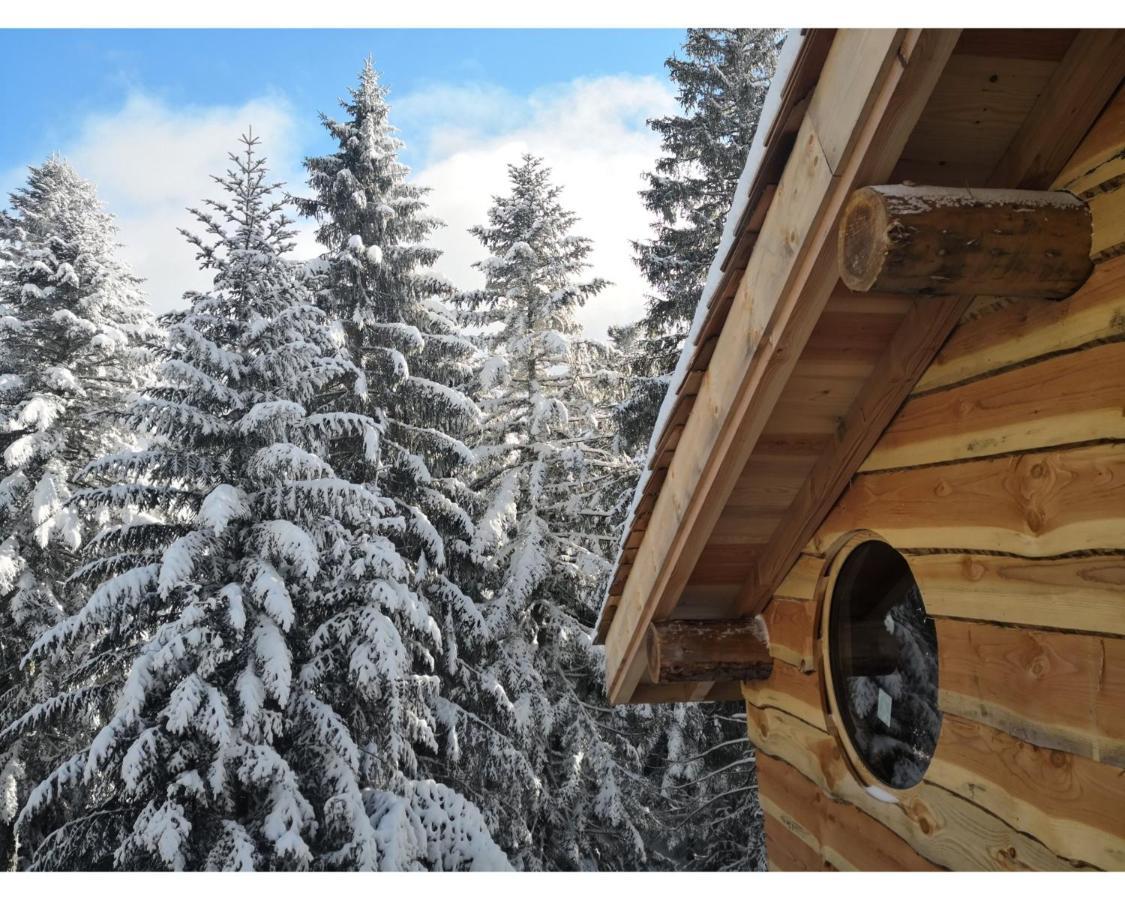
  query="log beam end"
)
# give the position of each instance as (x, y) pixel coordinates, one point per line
(708, 651)
(910, 239)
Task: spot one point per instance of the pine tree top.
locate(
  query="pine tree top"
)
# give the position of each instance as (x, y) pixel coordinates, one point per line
(58, 239)
(532, 275)
(251, 219)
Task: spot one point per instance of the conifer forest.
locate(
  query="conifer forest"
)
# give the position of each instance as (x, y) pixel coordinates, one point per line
(303, 575)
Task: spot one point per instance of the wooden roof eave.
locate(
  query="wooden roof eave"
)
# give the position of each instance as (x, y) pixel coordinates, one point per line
(787, 283)
(778, 143)
(870, 92)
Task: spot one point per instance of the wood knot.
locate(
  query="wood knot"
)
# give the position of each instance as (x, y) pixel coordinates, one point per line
(1034, 520)
(1039, 667)
(920, 813)
(1039, 470)
(1059, 759)
(942, 488)
(974, 571)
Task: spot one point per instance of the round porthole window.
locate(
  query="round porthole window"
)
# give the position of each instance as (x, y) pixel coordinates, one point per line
(883, 663)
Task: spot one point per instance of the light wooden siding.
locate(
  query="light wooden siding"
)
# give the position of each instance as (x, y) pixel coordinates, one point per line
(1002, 479)
(940, 823)
(840, 835)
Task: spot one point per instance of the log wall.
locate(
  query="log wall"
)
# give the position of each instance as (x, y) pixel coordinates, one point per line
(1002, 480)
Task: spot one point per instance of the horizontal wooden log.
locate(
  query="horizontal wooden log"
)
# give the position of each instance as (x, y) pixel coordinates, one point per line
(1071, 593)
(1038, 504)
(1057, 690)
(1074, 805)
(1068, 399)
(1023, 331)
(962, 241)
(703, 650)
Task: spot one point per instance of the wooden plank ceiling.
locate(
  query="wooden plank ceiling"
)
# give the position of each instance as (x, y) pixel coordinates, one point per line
(987, 91)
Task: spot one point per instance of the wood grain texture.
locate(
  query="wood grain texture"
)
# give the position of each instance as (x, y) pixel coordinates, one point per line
(841, 834)
(792, 628)
(1057, 690)
(1074, 805)
(1016, 43)
(1037, 504)
(1069, 399)
(697, 486)
(943, 826)
(920, 334)
(788, 280)
(1074, 593)
(1109, 222)
(857, 60)
(801, 580)
(1086, 79)
(1021, 560)
(786, 851)
(915, 239)
(1026, 330)
(976, 110)
(788, 688)
(695, 650)
(1105, 140)
(918, 340)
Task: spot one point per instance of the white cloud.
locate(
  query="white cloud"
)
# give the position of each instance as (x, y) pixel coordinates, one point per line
(591, 132)
(151, 161)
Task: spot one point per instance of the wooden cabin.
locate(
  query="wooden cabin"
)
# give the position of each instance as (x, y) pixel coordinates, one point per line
(885, 502)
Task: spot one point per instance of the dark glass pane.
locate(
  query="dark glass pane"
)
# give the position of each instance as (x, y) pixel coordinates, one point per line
(883, 653)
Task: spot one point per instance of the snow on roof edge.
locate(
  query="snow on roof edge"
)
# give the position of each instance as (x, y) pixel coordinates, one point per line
(794, 39)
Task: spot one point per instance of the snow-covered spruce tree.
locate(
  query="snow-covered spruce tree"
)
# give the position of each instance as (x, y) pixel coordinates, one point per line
(250, 646)
(632, 787)
(376, 278)
(73, 326)
(722, 79)
(546, 462)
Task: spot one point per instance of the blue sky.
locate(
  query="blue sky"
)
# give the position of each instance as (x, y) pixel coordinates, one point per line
(148, 115)
(51, 80)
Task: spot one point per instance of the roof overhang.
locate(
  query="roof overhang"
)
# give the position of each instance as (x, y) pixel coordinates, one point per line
(788, 379)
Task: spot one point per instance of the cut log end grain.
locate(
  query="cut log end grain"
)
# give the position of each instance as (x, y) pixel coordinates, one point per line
(964, 241)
